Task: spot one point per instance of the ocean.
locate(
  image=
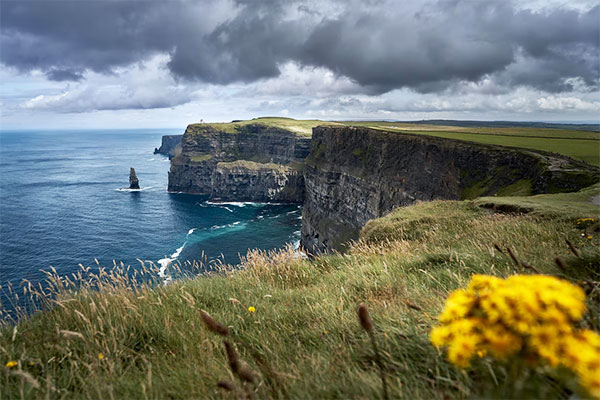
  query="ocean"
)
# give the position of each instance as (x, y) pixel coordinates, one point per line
(62, 203)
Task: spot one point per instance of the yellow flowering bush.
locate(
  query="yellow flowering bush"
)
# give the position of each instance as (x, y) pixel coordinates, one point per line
(531, 316)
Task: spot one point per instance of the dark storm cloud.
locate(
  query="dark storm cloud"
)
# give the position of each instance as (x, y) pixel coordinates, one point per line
(426, 46)
(60, 75)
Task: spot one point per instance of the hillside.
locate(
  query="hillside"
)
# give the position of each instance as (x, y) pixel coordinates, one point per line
(294, 321)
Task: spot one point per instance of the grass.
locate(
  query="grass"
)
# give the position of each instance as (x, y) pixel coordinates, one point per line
(301, 127)
(578, 144)
(581, 145)
(304, 339)
(197, 157)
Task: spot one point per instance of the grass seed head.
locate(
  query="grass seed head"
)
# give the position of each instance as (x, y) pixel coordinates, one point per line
(365, 318)
(213, 325)
(232, 356)
(227, 385)
(246, 374)
(560, 264)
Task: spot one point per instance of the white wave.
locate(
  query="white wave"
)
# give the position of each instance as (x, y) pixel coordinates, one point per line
(260, 217)
(215, 227)
(191, 231)
(233, 203)
(177, 252)
(133, 190)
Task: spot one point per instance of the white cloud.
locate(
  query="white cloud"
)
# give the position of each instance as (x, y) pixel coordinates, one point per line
(145, 85)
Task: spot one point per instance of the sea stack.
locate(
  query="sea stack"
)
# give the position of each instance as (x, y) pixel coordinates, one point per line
(133, 180)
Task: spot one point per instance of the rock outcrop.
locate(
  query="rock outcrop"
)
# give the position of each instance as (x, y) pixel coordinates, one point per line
(170, 145)
(134, 183)
(252, 162)
(356, 174)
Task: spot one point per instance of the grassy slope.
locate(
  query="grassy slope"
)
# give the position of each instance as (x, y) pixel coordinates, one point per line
(305, 328)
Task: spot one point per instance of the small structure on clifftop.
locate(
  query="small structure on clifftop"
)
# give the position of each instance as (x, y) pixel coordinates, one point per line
(134, 183)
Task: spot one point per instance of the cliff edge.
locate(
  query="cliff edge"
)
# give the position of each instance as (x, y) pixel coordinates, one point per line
(353, 175)
(241, 162)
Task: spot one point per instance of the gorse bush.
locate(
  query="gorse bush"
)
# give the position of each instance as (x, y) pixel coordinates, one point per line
(531, 317)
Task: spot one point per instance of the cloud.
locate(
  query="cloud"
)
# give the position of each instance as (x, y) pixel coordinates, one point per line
(143, 86)
(60, 75)
(379, 46)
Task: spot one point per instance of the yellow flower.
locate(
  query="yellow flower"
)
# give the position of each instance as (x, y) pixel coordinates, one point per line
(11, 364)
(100, 356)
(589, 237)
(251, 309)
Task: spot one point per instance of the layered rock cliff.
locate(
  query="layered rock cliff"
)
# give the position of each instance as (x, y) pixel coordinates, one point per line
(249, 162)
(170, 145)
(356, 174)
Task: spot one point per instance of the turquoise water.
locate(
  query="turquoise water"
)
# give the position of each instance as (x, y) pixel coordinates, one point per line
(61, 205)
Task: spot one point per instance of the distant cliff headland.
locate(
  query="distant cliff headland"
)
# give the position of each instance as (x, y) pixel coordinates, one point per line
(346, 174)
(170, 146)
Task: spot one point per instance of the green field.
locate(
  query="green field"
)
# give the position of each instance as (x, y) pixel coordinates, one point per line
(302, 127)
(303, 339)
(580, 145)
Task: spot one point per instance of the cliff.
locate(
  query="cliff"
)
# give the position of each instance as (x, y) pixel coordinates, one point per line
(170, 145)
(241, 162)
(356, 174)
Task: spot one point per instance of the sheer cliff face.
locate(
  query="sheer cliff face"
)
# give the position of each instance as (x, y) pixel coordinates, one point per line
(253, 163)
(354, 174)
(170, 145)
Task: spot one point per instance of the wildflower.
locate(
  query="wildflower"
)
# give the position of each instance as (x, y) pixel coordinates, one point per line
(100, 356)
(589, 237)
(251, 309)
(528, 315)
(11, 364)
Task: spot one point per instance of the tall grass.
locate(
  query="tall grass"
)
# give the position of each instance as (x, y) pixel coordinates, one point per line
(115, 334)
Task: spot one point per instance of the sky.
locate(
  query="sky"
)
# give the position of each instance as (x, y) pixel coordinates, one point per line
(163, 64)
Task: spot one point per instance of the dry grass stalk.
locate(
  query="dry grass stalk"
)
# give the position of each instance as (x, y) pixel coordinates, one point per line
(213, 325)
(413, 306)
(232, 356)
(365, 318)
(572, 248)
(560, 264)
(367, 324)
(526, 265)
(513, 257)
(227, 385)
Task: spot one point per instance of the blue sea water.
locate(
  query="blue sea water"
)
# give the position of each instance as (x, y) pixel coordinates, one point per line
(61, 205)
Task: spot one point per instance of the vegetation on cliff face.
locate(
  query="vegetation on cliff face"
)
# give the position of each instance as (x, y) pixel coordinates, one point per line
(254, 166)
(294, 321)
